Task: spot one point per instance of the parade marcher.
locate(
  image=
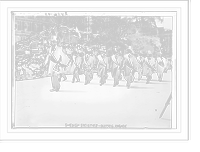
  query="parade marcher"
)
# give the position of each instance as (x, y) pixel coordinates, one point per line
(52, 58)
(76, 64)
(140, 60)
(87, 65)
(130, 64)
(116, 65)
(160, 65)
(148, 66)
(63, 69)
(62, 74)
(21, 71)
(102, 65)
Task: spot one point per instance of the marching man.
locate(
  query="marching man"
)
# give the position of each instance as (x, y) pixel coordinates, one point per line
(116, 65)
(102, 69)
(160, 65)
(148, 66)
(52, 58)
(76, 65)
(139, 67)
(130, 64)
(87, 65)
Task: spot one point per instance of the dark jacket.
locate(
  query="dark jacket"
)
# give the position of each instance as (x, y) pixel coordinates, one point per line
(57, 53)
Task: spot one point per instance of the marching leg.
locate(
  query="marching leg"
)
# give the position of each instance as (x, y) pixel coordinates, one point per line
(86, 79)
(73, 79)
(160, 77)
(115, 83)
(77, 75)
(139, 74)
(55, 82)
(128, 84)
(52, 81)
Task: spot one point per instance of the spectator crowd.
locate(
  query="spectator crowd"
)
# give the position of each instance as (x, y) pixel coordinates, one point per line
(30, 66)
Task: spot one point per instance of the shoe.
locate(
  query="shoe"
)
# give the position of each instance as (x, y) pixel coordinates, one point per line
(53, 89)
(57, 89)
(101, 83)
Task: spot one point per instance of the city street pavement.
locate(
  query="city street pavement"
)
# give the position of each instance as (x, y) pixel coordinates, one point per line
(76, 103)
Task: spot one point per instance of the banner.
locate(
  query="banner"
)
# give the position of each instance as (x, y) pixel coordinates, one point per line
(33, 38)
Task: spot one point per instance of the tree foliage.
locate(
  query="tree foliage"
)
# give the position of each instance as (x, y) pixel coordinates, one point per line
(140, 31)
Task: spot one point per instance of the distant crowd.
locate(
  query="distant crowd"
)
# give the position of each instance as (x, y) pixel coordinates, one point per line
(30, 66)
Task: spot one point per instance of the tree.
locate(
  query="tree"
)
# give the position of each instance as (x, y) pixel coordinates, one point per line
(70, 21)
(143, 32)
(98, 23)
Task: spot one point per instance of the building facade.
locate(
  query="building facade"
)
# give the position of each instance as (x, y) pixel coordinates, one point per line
(87, 24)
(26, 26)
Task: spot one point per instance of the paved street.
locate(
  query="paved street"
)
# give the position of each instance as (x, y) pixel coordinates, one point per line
(137, 107)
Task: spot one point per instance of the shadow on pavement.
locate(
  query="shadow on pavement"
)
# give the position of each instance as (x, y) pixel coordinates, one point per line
(72, 91)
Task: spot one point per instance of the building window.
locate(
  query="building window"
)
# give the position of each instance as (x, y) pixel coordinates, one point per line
(35, 27)
(16, 25)
(26, 25)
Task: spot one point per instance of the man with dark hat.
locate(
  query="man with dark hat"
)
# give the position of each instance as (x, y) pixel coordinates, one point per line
(116, 65)
(160, 65)
(102, 65)
(140, 60)
(148, 66)
(76, 62)
(52, 61)
(130, 63)
(87, 64)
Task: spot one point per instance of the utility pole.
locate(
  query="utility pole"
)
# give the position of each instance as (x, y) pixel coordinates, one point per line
(69, 31)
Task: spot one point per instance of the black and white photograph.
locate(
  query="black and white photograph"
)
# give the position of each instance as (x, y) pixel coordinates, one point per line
(97, 70)
(94, 71)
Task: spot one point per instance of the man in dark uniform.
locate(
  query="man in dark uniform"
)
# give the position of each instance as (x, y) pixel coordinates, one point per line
(52, 58)
(63, 69)
(116, 65)
(160, 65)
(148, 66)
(140, 60)
(87, 64)
(130, 63)
(102, 65)
(76, 62)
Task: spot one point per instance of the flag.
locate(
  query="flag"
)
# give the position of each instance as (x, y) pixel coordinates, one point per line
(94, 36)
(78, 33)
(33, 38)
(49, 30)
(43, 33)
(63, 28)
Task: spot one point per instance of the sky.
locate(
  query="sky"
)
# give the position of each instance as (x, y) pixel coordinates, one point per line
(167, 23)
